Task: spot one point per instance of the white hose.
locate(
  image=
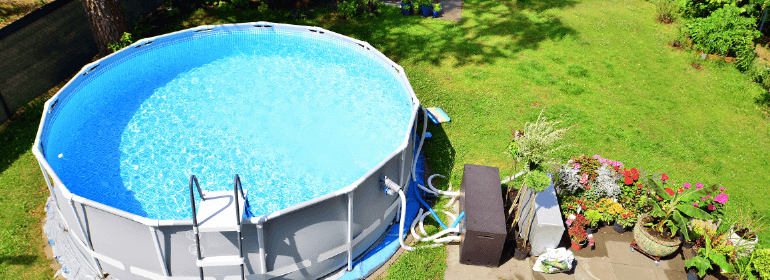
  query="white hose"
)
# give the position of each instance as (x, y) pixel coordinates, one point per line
(392, 187)
(422, 140)
(401, 224)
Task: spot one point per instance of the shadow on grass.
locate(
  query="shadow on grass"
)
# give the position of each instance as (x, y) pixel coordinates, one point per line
(490, 30)
(19, 134)
(19, 259)
(439, 153)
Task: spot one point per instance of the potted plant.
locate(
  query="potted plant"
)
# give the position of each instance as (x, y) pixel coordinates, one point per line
(625, 220)
(743, 233)
(425, 7)
(656, 233)
(537, 181)
(577, 233)
(593, 218)
(406, 7)
(436, 9)
(535, 147)
(761, 262)
(706, 256)
(744, 268)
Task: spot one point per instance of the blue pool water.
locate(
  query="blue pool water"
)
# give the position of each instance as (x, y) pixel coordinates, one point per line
(297, 116)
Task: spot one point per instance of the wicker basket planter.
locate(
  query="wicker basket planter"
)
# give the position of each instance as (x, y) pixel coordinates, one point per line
(650, 244)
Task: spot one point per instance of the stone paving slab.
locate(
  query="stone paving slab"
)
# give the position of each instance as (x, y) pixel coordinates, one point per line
(631, 272)
(512, 269)
(609, 259)
(594, 269)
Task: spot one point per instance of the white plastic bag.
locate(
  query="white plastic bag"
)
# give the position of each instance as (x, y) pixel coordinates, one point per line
(554, 261)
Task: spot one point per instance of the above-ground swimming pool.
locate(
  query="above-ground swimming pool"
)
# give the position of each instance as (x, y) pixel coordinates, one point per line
(309, 119)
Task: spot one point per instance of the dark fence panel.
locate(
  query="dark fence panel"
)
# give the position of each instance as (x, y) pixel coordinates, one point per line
(47, 46)
(40, 50)
(136, 9)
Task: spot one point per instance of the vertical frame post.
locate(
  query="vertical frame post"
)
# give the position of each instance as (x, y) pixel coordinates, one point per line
(262, 255)
(98, 266)
(161, 259)
(350, 231)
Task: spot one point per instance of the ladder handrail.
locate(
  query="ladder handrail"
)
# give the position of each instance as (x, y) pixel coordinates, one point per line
(195, 218)
(237, 185)
(198, 185)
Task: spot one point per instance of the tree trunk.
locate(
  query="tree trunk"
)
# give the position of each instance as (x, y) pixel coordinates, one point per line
(107, 22)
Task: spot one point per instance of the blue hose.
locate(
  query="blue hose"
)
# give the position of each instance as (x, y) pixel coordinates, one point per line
(462, 215)
(419, 198)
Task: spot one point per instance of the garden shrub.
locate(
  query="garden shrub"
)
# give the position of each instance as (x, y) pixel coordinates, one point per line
(348, 8)
(125, 41)
(725, 32)
(762, 263)
(240, 3)
(537, 180)
(704, 8)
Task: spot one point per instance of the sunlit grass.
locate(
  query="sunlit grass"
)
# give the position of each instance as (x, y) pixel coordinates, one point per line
(603, 66)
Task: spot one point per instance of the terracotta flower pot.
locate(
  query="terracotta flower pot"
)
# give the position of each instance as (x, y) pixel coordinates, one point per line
(653, 245)
(575, 245)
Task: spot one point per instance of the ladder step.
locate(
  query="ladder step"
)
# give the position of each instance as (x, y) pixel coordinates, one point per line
(220, 261)
(217, 212)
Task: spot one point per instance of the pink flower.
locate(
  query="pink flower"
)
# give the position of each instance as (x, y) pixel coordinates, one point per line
(703, 198)
(686, 185)
(708, 196)
(584, 179)
(695, 204)
(712, 207)
(722, 188)
(597, 157)
(699, 185)
(576, 166)
(721, 198)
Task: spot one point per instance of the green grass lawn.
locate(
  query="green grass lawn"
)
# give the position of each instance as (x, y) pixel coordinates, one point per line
(22, 200)
(603, 66)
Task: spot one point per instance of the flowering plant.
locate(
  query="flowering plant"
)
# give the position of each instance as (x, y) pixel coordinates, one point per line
(577, 233)
(595, 176)
(714, 201)
(674, 209)
(627, 219)
(610, 210)
(634, 198)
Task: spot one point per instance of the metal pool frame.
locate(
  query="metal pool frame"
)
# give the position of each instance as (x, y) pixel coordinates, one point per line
(309, 240)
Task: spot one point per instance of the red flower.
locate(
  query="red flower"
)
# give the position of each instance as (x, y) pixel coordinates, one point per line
(640, 186)
(636, 176)
(712, 207)
(628, 180)
(664, 177)
(588, 187)
(680, 190)
(627, 173)
(670, 191)
(571, 207)
(634, 171)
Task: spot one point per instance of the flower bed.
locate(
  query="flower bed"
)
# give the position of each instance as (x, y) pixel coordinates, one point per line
(599, 191)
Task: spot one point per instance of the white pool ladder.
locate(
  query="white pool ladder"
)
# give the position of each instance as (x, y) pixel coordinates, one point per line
(215, 215)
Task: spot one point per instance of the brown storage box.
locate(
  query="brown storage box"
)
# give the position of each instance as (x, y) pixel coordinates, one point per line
(483, 230)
